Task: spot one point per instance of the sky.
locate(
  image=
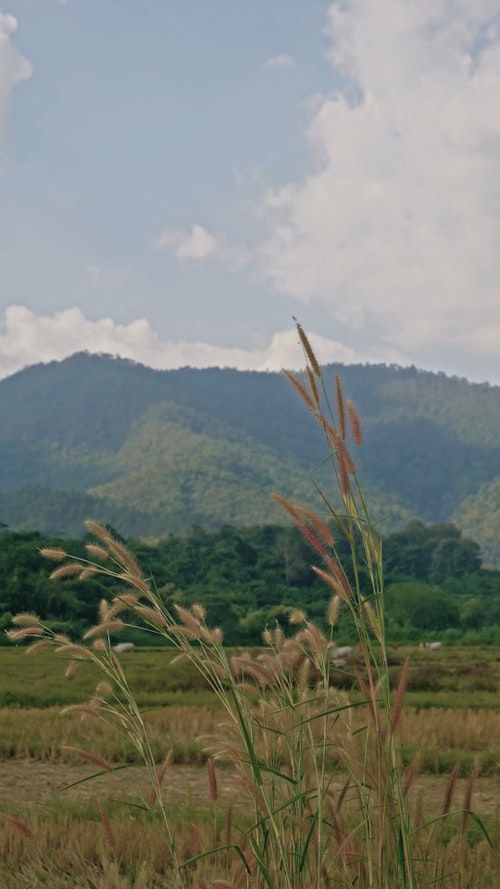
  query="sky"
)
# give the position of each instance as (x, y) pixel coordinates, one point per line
(179, 179)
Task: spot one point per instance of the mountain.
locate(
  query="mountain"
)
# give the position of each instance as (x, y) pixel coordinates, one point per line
(154, 452)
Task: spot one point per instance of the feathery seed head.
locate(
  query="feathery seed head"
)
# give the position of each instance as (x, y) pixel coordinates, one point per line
(107, 626)
(66, 571)
(312, 385)
(199, 611)
(71, 668)
(86, 573)
(25, 619)
(88, 756)
(212, 779)
(188, 619)
(297, 616)
(340, 406)
(136, 580)
(79, 651)
(301, 389)
(38, 646)
(106, 825)
(308, 349)
(20, 825)
(103, 610)
(278, 638)
(355, 423)
(150, 615)
(450, 787)
(126, 599)
(53, 553)
(98, 551)
(335, 579)
(97, 529)
(333, 610)
(25, 633)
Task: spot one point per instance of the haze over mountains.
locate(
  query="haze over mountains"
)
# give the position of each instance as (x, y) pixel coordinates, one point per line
(154, 452)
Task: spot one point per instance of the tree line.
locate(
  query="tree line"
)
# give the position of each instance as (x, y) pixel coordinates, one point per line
(251, 577)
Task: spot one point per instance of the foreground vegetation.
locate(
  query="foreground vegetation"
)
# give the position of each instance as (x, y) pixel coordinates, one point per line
(321, 758)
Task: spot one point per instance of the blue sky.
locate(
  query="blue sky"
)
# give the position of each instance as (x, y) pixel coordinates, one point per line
(178, 178)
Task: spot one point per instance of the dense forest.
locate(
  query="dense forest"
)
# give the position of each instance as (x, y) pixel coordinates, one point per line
(155, 452)
(251, 577)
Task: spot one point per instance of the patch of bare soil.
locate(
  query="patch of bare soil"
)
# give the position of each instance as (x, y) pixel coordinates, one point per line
(26, 782)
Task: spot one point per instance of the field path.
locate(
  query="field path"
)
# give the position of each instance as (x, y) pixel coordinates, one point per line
(31, 781)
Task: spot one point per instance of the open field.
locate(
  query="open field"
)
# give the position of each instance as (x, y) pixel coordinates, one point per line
(452, 715)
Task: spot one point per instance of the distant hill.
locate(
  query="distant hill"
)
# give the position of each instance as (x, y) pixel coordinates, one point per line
(154, 452)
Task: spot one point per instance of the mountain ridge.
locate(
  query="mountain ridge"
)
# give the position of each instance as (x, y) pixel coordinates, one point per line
(157, 451)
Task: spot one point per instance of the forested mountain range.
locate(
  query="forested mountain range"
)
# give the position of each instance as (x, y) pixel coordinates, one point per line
(156, 452)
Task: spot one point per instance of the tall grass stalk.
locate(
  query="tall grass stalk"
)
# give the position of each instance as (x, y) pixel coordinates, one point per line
(287, 728)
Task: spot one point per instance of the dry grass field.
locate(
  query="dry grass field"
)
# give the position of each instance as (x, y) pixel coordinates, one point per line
(60, 829)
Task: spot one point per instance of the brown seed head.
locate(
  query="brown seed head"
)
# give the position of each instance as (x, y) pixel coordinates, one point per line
(355, 423)
(212, 779)
(302, 391)
(20, 825)
(340, 406)
(306, 345)
(312, 385)
(398, 701)
(106, 825)
(450, 787)
(88, 756)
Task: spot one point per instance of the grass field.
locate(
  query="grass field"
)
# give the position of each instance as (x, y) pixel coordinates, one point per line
(58, 839)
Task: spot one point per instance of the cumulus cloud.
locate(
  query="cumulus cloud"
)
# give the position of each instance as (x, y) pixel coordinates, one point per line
(279, 62)
(13, 66)
(27, 338)
(398, 226)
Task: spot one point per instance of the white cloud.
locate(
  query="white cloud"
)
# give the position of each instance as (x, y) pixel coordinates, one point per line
(199, 245)
(101, 275)
(279, 62)
(27, 338)
(13, 66)
(398, 227)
